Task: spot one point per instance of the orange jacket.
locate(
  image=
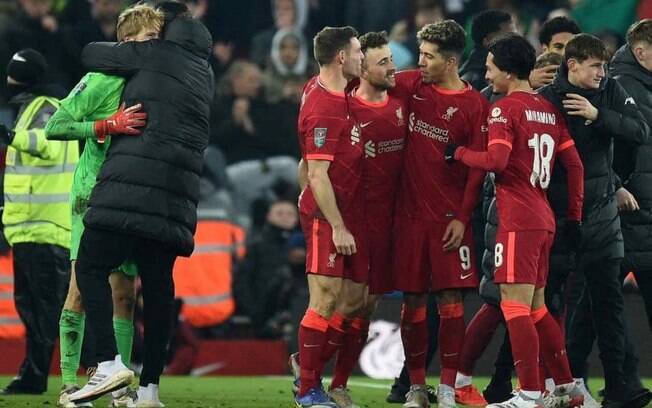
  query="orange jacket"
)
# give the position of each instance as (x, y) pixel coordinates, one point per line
(204, 279)
(11, 327)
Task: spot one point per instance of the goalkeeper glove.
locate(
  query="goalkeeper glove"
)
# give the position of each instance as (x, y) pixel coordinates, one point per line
(123, 122)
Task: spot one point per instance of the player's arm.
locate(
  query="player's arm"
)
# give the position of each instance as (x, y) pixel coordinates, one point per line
(322, 190)
(68, 122)
(494, 159)
(302, 174)
(123, 59)
(570, 159)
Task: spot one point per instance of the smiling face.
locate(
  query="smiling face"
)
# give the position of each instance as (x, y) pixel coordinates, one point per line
(378, 68)
(586, 74)
(497, 78)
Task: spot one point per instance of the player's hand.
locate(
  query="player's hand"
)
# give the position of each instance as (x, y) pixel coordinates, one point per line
(573, 233)
(123, 122)
(449, 152)
(344, 241)
(577, 105)
(542, 76)
(626, 200)
(453, 235)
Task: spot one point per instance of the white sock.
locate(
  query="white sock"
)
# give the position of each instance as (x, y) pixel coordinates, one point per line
(462, 380)
(533, 395)
(149, 393)
(550, 384)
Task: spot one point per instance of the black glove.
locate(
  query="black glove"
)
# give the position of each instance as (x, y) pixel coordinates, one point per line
(573, 233)
(449, 153)
(6, 135)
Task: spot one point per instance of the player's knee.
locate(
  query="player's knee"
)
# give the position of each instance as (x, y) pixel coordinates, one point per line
(351, 306)
(74, 301)
(414, 301)
(124, 303)
(447, 297)
(324, 303)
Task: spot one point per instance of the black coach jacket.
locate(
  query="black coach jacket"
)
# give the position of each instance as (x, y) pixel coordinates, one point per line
(633, 162)
(618, 119)
(149, 184)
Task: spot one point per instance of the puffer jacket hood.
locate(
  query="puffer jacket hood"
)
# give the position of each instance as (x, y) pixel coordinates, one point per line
(191, 35)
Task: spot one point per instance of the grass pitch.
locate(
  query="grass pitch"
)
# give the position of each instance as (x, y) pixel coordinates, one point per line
(234, 392)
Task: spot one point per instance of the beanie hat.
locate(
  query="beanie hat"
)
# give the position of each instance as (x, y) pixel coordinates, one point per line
(27, 66)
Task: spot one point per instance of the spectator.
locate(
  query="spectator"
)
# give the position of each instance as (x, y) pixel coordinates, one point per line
(244, 126)
(100, 27)
(263, 285)
(485, 27)
(33, 26)
(288, 14)
(290, 67)
(556, 32)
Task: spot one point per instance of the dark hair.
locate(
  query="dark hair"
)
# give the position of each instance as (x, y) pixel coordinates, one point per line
(487, 22)
(548, 58)
(640, 31)
(584, 46)
(557, 25)
(448, 35)
(331, 40)
(514, 54)
(373, 39)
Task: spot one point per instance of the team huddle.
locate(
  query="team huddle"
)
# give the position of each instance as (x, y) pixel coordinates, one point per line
(393, 166)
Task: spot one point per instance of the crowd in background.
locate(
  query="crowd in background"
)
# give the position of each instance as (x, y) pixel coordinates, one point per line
(261, 58)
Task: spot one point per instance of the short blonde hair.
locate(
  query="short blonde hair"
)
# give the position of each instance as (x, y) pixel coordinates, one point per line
(134, 19)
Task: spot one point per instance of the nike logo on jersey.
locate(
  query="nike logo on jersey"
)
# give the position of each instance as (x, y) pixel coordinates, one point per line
(468, 275)
(310, 345)
(364, 125)
(418, 98)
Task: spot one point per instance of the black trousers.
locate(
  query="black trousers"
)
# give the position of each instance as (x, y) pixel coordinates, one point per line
(41, 278)
(600, 307)
(100, 252)
(644, 281)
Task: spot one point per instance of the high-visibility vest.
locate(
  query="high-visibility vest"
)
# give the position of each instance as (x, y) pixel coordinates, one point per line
(11, 327)
(204, 279)
(38, 179)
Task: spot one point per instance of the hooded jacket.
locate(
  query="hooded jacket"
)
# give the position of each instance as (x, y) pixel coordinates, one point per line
(618, 119)
(473, 70)
(633, 163)
(149, 184)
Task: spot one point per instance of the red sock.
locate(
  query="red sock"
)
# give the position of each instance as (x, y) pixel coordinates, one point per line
(525, 343)
(451, 340)
(478, 334)
(312, 335)
(553, 349)
(414, 333)
(337, 326)
(354, 341)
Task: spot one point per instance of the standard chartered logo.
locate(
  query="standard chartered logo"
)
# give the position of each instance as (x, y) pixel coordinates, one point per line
(428, 130)
(355, 135)
(370, 149)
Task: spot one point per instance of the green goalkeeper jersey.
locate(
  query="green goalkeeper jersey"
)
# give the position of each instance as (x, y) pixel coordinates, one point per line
(96, 96)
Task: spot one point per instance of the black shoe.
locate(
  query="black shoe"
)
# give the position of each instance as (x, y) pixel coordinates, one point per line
(16, 390)
(634, 399)
(497, 391)
(397, 393)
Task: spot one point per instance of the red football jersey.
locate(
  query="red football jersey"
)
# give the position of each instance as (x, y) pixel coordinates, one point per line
(535, 131)
(432, 189)
(383, 128)
(325, 133)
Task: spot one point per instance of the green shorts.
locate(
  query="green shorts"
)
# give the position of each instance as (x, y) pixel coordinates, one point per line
(76, 231)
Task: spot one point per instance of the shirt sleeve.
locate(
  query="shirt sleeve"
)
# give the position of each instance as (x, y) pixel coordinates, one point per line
(406, 85)
(565, 139)
(69, 122)
(501, 126)
(322, 135)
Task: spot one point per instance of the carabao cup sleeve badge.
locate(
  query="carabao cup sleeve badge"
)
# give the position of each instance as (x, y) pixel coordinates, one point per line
(319, 136)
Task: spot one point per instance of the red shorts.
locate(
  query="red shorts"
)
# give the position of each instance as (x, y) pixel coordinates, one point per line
(523, 256)
(322, 257)
(420, 263)
(381, 279)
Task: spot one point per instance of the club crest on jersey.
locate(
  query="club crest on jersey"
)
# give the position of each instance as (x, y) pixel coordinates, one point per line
(331, 260)
(319, 136)
(495, 112)
(399, 117)
(449, 113)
